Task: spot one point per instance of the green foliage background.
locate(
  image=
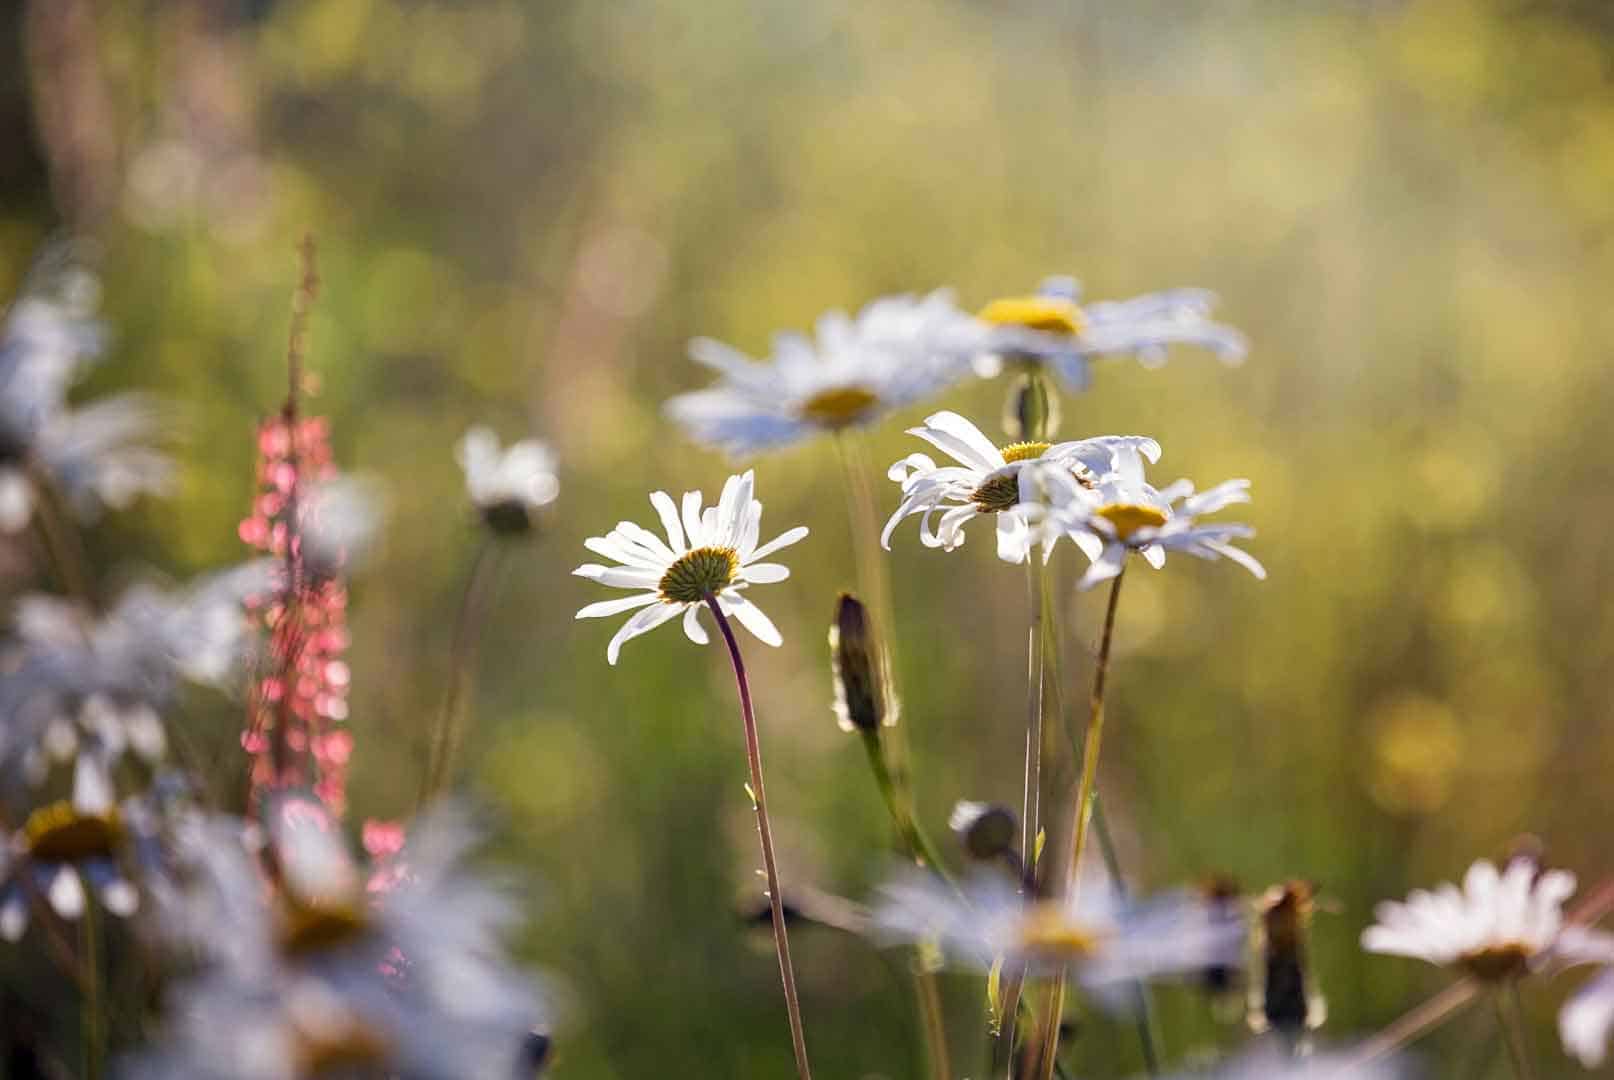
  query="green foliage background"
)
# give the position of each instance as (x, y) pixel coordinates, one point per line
(525, 210)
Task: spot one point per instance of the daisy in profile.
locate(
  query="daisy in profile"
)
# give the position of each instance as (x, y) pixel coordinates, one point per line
(507, 486)
(1498, 926)
(1052, 328)
(709, 556)
(1012, 483)
(1104, 942)
(1122, 513)
(897, 350)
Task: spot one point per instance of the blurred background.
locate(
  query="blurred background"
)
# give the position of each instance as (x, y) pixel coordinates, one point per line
(524, 211)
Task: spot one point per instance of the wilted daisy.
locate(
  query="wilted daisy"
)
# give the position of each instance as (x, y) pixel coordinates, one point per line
(1052, 328)
(1009, 482)
(1102, 940)
(95, 455)
(1122, 513)
(1587, 1017)
(897, 350)
(1499, 925)
(316, 979)
(507, 486)
(707, 553)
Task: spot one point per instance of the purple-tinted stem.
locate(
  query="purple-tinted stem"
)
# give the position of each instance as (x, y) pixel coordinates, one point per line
(753, 754)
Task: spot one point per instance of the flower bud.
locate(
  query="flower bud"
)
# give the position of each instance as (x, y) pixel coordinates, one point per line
(986, 829)
(854, 654)
(1030, 412)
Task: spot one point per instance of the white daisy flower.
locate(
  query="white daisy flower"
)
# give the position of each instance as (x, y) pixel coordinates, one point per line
(1122, 513)
(1052, 328)
(509, 486)
(1016, 483)
(1587, 1017)
(897, 350)
(711, 552)
(1104, 942)
(1499, 925)
(1273, 1063)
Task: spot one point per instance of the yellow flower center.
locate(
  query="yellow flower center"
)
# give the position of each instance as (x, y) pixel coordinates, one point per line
(1023, 451)
(1047, 930)
(1001, 491)
(314, 927)
(1497, 962)
(698, 573)
(1128, 518)
(838, 406)
(59, 833)
(1049, 314)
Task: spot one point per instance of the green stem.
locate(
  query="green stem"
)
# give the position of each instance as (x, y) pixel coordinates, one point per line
(449, 732)
(900, 807)
(1081, 814)
(1510, 1015)
(92, 1037)
(1036, 658)
(759, 802)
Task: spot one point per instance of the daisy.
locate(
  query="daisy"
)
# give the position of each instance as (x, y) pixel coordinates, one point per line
(316, 975)
(897, 350)
(1499, 925)
(507, 486)
(1052, 328)
(1105, 942)
(1271, 1063)
(1010, 482)
(1122, 513)
(707, 553)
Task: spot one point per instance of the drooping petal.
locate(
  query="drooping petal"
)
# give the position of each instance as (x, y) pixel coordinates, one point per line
(752, 618)
(642, 623)
(617, 606)
(1108, 565)
(692, 625)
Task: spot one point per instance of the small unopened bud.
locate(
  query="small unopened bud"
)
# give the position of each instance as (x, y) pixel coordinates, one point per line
(986, 829)
(536, 1049)
(1285, 999)
(854, 656)
(1030, 413)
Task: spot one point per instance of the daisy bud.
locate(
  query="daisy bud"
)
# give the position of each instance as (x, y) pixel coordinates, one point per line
(1284, 998)
(536, 1050)
(854, 662)
(987, 830)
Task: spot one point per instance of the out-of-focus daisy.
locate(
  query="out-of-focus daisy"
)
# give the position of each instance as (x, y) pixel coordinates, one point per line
(507, 486)
(317, 977)
(1499, 925)
(1122, 513)
(1272, 1063)
(710, 552)
(1010, 482)
(1052, 328)
(1102, 941)
(897, 350)
(1587, 1017)
(95, 455)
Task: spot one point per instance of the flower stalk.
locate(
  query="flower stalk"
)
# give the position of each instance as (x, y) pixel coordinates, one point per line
(759, 803)
(1510, 1015)
(449, 732)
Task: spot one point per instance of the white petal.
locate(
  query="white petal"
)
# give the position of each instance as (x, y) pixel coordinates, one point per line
(16, 501)
(669, 520)
(690, 507)
(752, 618)
(1154, 555)
(765, 573)
(1585, 1021)
(968, 434)
(13, 916)
(92, 785)
(120, 897)
(621, 577)
(617, 606)
(692, 624)
(783, 540)
(66, 894)
(1106, 566)
(642, 623)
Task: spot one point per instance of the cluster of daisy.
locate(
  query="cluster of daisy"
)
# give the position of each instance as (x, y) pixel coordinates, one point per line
(287, 956)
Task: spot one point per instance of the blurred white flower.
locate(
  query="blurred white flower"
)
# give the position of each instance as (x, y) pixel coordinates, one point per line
(1499, 925)
(509, 486)
(1103, 941)
(1272, 1063)
(1053, 328)
(1586, 1018)
(1013, 483)
(711, 552)
(1123, 513)
(897, 350)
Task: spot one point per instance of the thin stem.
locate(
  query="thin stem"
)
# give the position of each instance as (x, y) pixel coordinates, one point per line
(1415, 1022)
(449, 732)
(1081, 814)
(913, 836)
(930, 1011)
(759, 802)
(1036, 658)
(1510, 1016)
(92, 1038)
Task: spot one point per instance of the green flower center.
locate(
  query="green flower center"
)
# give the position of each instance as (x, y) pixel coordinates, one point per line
(839, 406)
(1128, 518)
(59, 833)
(703, 572)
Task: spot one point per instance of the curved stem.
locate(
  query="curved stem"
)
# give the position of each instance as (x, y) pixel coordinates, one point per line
(1081, 814)
(92, 1037)
(759, 802)
(449, 731)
